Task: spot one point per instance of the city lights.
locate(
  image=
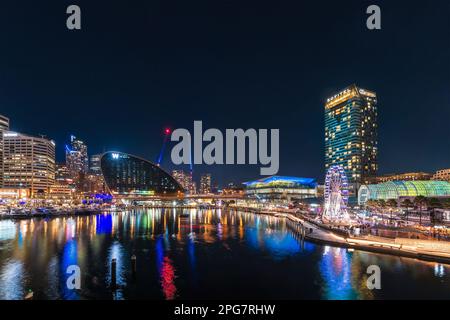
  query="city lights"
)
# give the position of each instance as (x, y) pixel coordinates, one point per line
(224, 159)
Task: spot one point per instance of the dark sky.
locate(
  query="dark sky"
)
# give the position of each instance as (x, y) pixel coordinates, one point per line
(138, 66)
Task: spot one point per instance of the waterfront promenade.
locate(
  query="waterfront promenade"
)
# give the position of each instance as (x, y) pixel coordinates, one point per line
(430, 250)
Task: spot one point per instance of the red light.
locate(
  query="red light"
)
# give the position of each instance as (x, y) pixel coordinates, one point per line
(167, 131)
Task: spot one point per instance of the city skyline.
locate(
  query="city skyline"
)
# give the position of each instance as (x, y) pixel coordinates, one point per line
(281, 66)
(224, 158)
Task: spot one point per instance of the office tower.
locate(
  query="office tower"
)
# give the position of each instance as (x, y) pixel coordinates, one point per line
(180, 177)
(29, 163)
(77, 160)
(4, 126)
(62, 175)
(95, 165)
(186, 181)
(351, 134)
(205, 183)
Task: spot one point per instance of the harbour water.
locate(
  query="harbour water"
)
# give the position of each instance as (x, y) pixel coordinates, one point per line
(210, 254)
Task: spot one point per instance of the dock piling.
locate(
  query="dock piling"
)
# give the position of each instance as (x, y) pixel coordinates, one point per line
(133, 265)
(113, 274)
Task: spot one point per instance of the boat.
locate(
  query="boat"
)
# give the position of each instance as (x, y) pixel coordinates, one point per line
(19, 212)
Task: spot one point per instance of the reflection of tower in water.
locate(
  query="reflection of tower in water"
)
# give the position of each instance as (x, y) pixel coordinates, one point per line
(342, 275)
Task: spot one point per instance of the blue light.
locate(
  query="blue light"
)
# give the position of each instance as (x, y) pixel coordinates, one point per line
(104, 224)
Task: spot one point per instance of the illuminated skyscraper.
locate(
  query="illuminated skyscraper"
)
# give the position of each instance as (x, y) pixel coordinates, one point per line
(4, 126)
(29, 163)
(351, 134)
(62, 175)
(95, 165)
(77, 160)
(185, 179)
(205, 183)
(180, 177)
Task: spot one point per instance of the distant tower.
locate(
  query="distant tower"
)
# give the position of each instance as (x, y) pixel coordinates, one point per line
(185, 179)
(77, 160)
(351, 135)
(205, 183)
(95, 167)
(180, 177)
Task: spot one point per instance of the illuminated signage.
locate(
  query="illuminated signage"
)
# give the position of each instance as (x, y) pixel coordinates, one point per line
(10, 134)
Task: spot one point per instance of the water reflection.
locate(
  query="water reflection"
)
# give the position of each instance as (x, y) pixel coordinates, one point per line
(116, 252)
(8, 230)
(335, 267)
(69, 258)
(11, 281)
(166, 270)
(192, 257)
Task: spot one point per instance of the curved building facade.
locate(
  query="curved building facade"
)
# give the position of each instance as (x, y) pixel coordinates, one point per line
(125, 174)
(398, 189)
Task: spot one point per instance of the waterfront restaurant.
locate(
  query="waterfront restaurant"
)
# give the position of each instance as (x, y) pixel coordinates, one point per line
(14, 194)
(281, 190)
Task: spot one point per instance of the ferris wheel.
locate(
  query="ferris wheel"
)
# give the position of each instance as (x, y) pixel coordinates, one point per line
(336, 194)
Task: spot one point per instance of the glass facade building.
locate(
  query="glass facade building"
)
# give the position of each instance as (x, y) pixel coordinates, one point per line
(351, 134)
(125, 174)
(281, 189)
(402, 189)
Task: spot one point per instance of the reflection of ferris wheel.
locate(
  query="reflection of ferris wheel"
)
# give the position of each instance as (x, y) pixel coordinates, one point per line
(336, 194)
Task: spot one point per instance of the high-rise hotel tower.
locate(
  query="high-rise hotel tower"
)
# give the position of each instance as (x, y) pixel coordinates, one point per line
(4, 126)
(351, 134)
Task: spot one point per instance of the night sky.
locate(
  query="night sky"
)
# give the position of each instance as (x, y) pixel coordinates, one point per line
(139, 66)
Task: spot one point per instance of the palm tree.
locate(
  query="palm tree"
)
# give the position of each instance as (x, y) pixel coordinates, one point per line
(407, 204)
(446, 203)
(391, 203)
(420, 202)
(433, 204)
